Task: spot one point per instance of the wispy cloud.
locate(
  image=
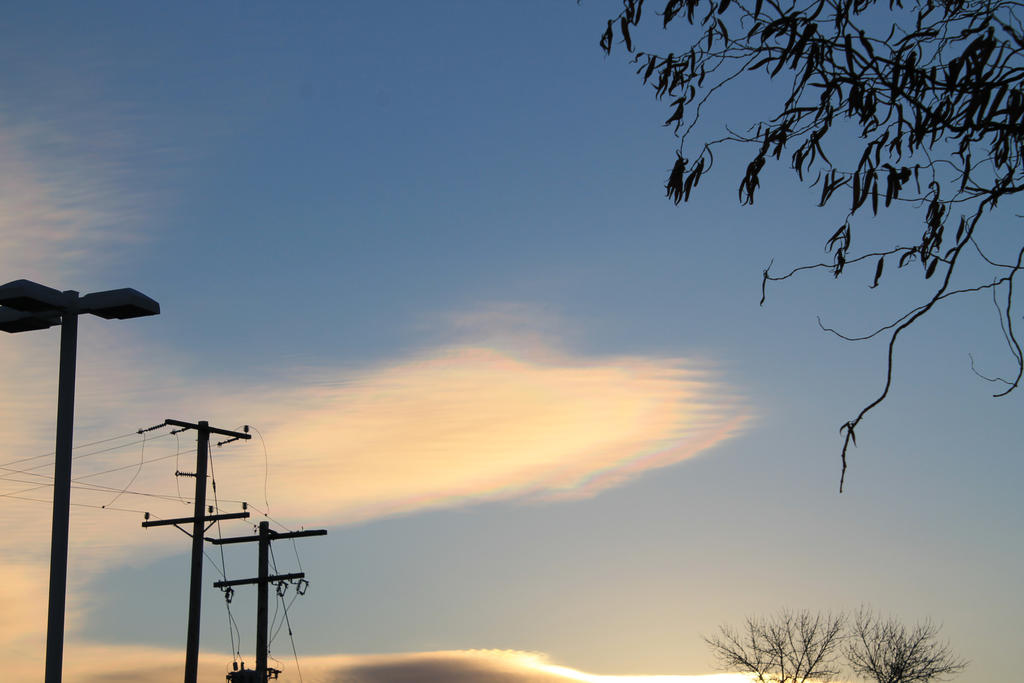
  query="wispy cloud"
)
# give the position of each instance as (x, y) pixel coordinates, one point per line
(472, 423)
(499, 411)
(60, 214)
(445, 427)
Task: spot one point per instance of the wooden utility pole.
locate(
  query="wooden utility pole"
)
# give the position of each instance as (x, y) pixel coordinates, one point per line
(263, 581)
(199, 522)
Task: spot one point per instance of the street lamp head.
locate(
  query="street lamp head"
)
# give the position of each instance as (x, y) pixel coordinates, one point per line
(27, 305)
(32, 297)
(118, 303)
(13, 321)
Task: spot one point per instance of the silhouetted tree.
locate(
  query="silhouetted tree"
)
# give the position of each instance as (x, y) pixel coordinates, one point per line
(882, 103)
(790, 647)
(886, 651)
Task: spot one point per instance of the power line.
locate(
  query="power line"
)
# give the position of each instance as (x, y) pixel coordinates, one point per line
(142, 461)
(7, 465)
(86, 505)
(266, 468)
(177, 465)
(96, 488)
(235, 650)
(79, 479)
(99, 488)
(84, 445)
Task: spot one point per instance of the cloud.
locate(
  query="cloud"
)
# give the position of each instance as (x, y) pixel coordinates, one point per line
(470, 423)
(60, 214)
(445, 427)
(105, 664)
(482, 666)
(501, 412)
(448, 426)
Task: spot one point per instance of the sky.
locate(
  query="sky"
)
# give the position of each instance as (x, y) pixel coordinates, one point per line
(423, 250)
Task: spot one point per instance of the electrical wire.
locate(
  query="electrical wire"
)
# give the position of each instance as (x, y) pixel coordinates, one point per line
(276, 626)
(177, 465)
(6, 465)
(264, 514)
(266, 468)
(40, 480)
(295, 547)
(142, 461)
(78, 482)
(118, 469)
(95, 488)
(83, 445)
(15, 496)
(235, 650)
(28, 472)
(273, 619)
(79, 479)
(291, 637)
(100, 488)
(284, 605)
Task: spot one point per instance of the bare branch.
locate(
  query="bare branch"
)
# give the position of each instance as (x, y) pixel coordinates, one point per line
(789, 647)
(886, 651)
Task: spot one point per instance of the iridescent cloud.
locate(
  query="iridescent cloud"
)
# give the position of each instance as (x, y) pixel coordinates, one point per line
(494, 415)
(450, 426)
(471, 423)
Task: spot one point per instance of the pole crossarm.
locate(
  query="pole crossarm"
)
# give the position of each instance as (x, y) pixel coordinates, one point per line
(182, 520)
(270, 579)
(274, 536)
(207, 429)
(262, 582)
(201, 523)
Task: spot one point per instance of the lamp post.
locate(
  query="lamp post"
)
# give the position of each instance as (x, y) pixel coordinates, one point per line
(26, 306)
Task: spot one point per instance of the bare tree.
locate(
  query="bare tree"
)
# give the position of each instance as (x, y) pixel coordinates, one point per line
(789, 647)
(884, 650)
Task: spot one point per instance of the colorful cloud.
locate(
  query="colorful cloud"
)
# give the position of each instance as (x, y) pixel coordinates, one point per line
(470, 423)
(496, 414)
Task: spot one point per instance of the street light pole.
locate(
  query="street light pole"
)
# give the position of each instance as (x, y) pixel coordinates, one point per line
(61, 493)
(26, 306)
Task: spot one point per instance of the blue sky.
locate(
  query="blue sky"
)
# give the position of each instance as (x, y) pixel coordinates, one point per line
(424, 249)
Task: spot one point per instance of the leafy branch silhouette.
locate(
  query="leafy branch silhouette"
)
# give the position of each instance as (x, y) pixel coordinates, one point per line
(929, 93)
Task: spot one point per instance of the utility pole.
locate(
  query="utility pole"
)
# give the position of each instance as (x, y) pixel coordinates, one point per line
(199, 521)
(263, 581)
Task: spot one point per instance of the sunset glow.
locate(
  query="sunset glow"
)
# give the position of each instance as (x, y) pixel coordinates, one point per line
(422, 253)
